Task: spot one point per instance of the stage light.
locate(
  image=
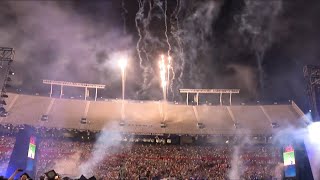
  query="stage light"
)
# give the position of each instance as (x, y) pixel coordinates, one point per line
(9, 79)
(314, 132)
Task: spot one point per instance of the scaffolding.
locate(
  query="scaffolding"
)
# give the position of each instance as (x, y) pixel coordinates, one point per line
(312, 78)
(6, 59)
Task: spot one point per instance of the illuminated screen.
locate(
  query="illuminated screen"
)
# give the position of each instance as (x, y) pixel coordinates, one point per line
(288, 158)
(32, 148)
(289, 162)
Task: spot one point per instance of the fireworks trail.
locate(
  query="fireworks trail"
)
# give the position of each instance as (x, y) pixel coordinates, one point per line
(123, 14)
(257, 20)
(162, 68)
(175, 31)
(138, 18)
(166, 26)
(160, 4)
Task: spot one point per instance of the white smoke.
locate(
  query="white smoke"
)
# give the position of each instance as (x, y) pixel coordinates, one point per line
(237, 166)
(196, 29)
(106, 145)
(68, 166)
(57, 42)
(256, 25)
(236, 162)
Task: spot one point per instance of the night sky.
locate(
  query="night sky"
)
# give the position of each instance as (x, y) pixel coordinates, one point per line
(259, 46)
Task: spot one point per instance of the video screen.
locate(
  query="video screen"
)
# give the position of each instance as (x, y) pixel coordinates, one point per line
(32, 148)
(289, 161)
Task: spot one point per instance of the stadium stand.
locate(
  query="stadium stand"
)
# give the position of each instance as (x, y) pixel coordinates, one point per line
(146, 117)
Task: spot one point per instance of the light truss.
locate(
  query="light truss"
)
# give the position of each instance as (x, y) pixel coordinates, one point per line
(312, 77)
(6, 54)
(209, 91)
(6, 57)
(74, 84)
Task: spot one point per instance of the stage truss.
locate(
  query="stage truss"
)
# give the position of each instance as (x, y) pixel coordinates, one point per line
(312, 77)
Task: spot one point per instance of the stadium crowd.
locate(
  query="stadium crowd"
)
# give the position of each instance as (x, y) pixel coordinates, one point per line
(155, 161)
(6, 147)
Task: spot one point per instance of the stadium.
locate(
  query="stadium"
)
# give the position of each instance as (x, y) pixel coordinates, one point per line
(159, 90)
(192, 141)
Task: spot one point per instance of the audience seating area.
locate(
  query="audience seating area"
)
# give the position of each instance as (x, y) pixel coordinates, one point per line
(6, 147)
(159, 161)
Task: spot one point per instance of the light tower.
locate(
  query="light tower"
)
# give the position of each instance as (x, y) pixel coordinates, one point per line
(6, 59)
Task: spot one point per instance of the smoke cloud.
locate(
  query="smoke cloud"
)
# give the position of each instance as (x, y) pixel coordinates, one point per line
(106, 144)
(54, 41)
(75, 41)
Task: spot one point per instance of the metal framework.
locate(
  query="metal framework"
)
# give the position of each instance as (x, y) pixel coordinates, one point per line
(6, 56)
(209, 91)
(312, 77)
(73, 84)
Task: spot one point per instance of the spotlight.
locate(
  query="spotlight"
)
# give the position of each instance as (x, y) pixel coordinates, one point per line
(9, 79)
(11, 73)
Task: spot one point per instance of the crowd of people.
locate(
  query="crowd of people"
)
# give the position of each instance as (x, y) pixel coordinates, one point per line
(6, 147)
(155, 161)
